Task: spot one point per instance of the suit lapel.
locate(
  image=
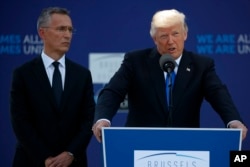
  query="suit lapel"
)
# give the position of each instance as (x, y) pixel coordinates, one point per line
(42, 80)
(69, 82)
(157, 76)
(183, 77)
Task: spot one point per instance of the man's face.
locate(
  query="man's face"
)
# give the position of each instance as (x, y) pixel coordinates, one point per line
(170, 40)
(57, 35)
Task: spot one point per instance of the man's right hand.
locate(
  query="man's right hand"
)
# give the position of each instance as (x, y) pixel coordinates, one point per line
(97, 129)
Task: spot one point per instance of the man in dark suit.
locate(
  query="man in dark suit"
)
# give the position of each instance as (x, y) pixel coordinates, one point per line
(142, 79)
(49, 132)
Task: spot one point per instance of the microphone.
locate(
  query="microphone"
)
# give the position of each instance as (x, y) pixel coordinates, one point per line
(167, 63)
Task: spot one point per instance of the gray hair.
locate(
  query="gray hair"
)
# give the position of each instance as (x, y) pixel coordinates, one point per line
(44, 17)
(166, 18)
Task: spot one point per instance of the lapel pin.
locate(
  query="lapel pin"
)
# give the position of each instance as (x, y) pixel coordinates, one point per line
(188, 69)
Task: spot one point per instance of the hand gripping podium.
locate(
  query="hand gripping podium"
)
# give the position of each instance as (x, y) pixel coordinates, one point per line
(169, 147)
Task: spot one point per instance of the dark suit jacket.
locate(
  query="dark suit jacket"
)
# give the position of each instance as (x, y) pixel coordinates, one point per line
(141, 77)
(41, 129)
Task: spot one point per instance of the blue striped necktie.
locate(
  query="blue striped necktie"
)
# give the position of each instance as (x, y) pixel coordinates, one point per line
(169, 84)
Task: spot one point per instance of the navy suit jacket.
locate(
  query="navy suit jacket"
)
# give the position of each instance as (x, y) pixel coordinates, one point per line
(43, 130)
(141, 78)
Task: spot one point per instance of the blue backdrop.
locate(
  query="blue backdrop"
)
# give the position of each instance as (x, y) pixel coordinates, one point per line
(220, 29)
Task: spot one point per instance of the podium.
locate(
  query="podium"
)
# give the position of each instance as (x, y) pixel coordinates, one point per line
(169, 147)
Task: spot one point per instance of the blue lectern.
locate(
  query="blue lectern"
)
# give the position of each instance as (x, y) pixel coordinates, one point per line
(168, 147)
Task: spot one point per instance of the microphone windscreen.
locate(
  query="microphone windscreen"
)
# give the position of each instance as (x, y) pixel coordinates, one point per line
(167, 63)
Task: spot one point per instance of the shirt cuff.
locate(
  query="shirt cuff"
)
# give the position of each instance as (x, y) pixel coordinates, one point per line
(228, 124)
(71, 154)
(104, 119)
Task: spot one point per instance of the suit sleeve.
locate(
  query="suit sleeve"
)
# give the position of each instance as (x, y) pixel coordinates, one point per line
(114, 92)
(21, 119)
(83, 137)
(218, 95)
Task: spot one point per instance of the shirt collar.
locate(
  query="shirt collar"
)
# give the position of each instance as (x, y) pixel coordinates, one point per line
(48, 60)
(178, 60)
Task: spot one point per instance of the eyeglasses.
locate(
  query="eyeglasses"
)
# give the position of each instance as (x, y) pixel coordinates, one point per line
(63, 29)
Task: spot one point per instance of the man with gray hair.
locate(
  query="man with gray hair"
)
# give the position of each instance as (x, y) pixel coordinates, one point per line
(52, 101)
(141, 78)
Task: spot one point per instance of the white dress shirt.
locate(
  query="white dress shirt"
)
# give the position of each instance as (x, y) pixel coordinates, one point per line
(47, 61)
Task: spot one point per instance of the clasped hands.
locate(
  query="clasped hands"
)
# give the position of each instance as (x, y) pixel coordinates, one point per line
(61, 160)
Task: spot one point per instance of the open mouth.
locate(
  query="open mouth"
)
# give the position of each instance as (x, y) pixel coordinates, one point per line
(171, 50)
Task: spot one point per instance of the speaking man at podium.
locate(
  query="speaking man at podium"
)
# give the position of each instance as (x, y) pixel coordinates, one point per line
(142, 77)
